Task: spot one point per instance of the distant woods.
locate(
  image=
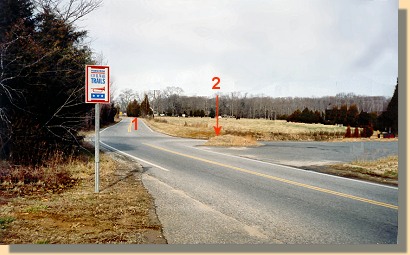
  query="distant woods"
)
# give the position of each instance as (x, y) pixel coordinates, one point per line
(346, 109)
(42, 61)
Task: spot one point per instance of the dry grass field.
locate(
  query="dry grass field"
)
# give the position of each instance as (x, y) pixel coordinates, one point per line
(259, 129)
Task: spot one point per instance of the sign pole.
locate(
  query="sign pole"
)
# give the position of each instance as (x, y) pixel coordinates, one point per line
(97, 91)
(97, 146)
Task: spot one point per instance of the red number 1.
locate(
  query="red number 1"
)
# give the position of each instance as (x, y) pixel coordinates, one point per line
(135, 120)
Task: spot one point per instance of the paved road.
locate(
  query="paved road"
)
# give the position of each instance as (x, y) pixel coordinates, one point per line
(315, 153)
(206, 196)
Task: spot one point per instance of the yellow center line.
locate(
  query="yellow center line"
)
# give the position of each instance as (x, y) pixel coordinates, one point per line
(365, 200)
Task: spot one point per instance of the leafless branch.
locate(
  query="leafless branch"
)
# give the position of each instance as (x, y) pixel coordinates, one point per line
(71, 10)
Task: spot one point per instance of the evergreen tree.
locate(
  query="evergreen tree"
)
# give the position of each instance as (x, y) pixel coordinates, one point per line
(133, 109)
(13, 12)
(363, 119)
(351, 115)
(342, 115)
(295, 116)
(212, 113)
(348, 133)
(332, 115)
(145, 107)
(389, 119)
(41, 84)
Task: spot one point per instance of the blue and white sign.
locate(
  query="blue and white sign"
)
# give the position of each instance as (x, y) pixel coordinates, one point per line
(97, 84)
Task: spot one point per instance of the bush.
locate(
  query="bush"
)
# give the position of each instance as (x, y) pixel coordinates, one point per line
(356, 132)
(367, 131)
(348, 133)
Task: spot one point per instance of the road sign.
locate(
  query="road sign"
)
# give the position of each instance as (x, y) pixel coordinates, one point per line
(97, 91)
(97, 84)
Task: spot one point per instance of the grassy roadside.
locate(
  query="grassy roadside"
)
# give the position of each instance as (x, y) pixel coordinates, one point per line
(123, 211)
(383, 170)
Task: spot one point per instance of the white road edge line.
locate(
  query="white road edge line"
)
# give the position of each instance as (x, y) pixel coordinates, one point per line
(131, 156)
(110, 126)
(147, 126)
(295, 168)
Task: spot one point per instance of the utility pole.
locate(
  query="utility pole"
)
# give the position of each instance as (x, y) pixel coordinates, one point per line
(153, 101)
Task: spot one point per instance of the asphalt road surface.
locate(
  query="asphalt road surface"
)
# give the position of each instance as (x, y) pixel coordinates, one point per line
(233, 196)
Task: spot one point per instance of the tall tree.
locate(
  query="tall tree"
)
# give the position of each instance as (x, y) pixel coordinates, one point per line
(389, 119)
(145, 107)
(14, 16)
(133, 109)
(41, 87)
(13, 11)
(352, 114)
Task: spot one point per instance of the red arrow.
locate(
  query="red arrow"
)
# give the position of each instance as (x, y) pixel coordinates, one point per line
(135, 120)
(217, 128)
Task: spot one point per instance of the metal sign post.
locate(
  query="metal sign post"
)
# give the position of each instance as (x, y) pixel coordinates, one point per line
(97, 90)
(97, 147)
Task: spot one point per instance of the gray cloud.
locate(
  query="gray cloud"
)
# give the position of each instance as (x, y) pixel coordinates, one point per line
(278, 48)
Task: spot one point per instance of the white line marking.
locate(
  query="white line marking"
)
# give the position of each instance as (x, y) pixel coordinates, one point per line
(110, 126)
(131, 156)
(147, 126)
(294, 168)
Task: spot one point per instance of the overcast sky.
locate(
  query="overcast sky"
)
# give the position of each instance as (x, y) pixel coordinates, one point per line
(278, 48)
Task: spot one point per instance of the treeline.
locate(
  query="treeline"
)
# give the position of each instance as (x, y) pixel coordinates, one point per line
(349, 117)
(42, 56)
(343, 115)
(344, 108)
(305, 116)
(172, 102)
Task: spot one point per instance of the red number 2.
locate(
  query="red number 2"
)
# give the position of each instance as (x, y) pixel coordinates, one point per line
(216, 84)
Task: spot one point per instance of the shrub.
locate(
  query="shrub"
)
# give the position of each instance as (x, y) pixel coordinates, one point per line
(367, 131)
(356, 132)
(348, 133)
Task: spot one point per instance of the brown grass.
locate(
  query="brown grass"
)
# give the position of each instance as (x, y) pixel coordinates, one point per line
(232, 141)
(386, 167)
(383, 170)
(54, 176)
(123, 211)
(259, 129)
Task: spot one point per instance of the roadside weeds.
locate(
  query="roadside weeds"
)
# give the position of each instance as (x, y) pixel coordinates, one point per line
(383, 170)
(123, 211)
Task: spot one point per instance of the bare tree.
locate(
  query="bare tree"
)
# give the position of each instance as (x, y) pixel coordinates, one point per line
(124, 98)
(69, 10)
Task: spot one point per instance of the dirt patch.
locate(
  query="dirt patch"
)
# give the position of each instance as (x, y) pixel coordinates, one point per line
(123, 211)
